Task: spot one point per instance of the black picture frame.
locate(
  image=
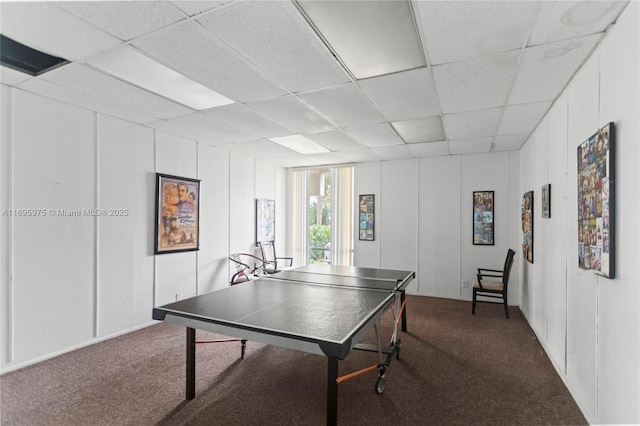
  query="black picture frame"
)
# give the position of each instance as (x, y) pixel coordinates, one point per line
(366, 217)
(177, 214)
(527, 226)
(483, 218)
(596, 173)
(546, 201)
(265, 220)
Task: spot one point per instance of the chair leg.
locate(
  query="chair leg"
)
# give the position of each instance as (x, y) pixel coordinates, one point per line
(473, 305)
(506, 306)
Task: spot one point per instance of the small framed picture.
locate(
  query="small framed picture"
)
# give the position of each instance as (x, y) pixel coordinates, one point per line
(366, 217)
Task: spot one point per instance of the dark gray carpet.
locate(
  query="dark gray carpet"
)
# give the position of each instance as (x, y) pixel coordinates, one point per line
(455, 368)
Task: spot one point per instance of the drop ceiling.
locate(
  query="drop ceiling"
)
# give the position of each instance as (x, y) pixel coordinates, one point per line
(358, 80)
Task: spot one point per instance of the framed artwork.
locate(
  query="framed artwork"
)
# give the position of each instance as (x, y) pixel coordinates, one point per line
(527, 226)
(483, 229)
(265, 220)
(596, 206)
(177, 214)
(546, 201)
(366, 212)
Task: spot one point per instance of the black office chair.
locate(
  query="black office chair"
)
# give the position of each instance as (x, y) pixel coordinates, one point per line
(495, 286)
(272, 263)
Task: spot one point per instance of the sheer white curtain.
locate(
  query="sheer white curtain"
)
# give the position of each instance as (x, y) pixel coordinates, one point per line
(342, 226)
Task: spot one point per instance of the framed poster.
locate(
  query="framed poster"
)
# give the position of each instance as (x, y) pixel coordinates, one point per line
(527, 226)
(265, 220)
(596, 196)
(177, 214)
(546, 201)
(366, 213)
(483, 228)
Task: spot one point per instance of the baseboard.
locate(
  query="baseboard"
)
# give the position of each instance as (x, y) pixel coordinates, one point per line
(13, 367)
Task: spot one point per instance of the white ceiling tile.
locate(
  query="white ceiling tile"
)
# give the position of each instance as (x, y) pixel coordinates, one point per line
(363, 155)
(260, 148)
(344, 105)
(396, 152)
(429, 149)
(292, 113)
(44, 27)
(472, 124)
(457, 30)
(53, 91)
(328, 158)
(279, 41)
(562, 20)
(246, 119)
(477, 83)
(211, 130)
(470, 146)
(546, 69)
(522, 118)
(188, 49)
(94, 83)
(298, 161)
(125, 19)
(370, 37)
(335, 140)
(194, 7)
(374, 135)
(12, 77)
(421, 129)
(509, 142)
(405, 95)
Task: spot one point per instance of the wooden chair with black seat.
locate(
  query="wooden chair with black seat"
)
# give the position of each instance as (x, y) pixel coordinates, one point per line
(272, 263)
(493, 283)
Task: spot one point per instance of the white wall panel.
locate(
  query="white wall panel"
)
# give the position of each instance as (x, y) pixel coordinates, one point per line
(397, 216)
(282, 222)
(619, 299)
(556, 228)
(176, 273)
(54, 167)
(527, 271)
(581, 285)
(366, 178)
(242, 205)
(439, 227)
(213, 257)
(125, 242)
(6, 308)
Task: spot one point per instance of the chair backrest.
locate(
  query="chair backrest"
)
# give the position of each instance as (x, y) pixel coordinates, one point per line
(241, 269)
(508, 263)
(268, 251)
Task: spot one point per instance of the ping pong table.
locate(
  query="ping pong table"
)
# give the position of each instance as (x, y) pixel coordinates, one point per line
(318, 309)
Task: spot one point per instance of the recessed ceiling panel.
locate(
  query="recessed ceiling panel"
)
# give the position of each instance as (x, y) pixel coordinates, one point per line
(457, 30)
(472, 124)
(430, 149)
(396, 152)
(94, 83)
(420, 130)
(546, 69)
(211, 130)
(278, 40)
(335, 140)
(52, 30)
(374, 135)
(562, 20)
(363, 155)
(125, 19)
(477, 83)
(344, 105)
(292, 113)
(246, 119)
(188, 49)
(371, 37)
(259, 148)
(53, 91)
(522, 118)
(470, 146)
(405, 95)
(509, 142)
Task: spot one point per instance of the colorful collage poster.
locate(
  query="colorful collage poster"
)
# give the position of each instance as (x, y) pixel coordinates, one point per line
(366, 217)
(483, 218)
(595, 202)
(527, 226)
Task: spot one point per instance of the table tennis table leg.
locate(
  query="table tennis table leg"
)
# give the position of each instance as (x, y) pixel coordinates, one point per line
(332, 391)
(404, 312)
(191, 364)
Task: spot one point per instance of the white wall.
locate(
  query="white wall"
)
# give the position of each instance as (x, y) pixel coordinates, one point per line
(589, 325)
(72, 281)
(424, 219)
